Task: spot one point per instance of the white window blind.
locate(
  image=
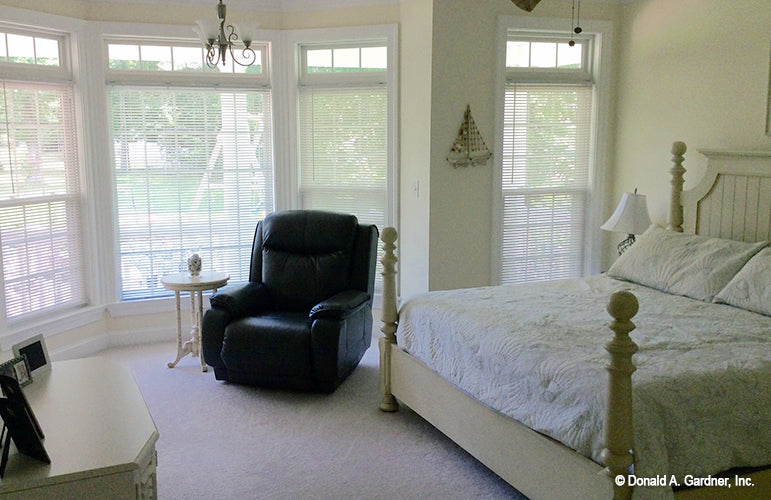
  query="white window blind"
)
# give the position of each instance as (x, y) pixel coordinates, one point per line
(193, 173)
(40, 219)
(545, 180)
(344, 151)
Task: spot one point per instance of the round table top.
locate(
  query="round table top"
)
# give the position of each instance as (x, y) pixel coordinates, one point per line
(184, 282)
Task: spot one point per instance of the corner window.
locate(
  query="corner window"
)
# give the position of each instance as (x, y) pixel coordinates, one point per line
(41, 246)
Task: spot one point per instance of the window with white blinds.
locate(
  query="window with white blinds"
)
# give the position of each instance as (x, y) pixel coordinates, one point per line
(546, 158)
(343, 131)
(193, 173)
(343, 151)
(40, 203)
(545, 179)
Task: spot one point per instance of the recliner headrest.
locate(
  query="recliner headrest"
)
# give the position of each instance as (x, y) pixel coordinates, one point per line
(308, 232)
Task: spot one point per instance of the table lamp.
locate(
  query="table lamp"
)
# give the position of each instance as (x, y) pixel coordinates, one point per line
(631, 217)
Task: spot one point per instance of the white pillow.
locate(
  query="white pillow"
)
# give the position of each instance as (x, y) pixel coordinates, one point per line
(751, 288)
(694, 266)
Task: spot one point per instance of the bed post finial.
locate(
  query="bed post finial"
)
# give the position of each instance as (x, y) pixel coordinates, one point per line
(619, 432)
(677, 171)
(389, 317)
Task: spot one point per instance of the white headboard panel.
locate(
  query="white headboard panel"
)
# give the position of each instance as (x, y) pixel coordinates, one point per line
(733, 199)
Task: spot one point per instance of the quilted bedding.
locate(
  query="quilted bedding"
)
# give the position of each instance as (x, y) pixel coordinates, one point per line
(701, 392)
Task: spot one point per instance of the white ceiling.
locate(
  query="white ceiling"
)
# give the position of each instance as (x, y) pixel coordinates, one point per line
(275, 5)
(290, 5)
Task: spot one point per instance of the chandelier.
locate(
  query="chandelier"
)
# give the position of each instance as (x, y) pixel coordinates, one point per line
(220, 39)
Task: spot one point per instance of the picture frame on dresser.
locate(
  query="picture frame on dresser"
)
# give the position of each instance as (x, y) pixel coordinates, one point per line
(20, 424)
(17, 368)
(34, 349)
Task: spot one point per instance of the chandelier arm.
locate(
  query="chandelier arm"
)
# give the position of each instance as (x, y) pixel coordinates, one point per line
(227, 41)
(232, 36)
(211, 56)
(247, 54)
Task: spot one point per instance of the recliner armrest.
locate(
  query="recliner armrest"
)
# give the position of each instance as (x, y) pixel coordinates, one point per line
(241, 300)
(340, 305)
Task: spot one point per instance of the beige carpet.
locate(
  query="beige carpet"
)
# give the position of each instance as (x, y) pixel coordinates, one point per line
(225, 441)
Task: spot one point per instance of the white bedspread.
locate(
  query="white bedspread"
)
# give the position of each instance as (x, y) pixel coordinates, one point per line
(702, 389)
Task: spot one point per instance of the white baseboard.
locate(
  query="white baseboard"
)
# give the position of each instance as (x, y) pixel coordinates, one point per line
(145, 336)
(81, 349)
(94, 345)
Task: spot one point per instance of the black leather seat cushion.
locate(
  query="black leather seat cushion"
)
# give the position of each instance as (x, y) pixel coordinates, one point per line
(282, 349)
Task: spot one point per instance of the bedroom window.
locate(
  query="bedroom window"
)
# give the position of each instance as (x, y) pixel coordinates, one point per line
(41, 246)
(547, 157)
(344, 130)
(192, 162)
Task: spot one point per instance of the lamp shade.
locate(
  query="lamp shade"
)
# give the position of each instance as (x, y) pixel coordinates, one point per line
(207, 29)
(631, 215)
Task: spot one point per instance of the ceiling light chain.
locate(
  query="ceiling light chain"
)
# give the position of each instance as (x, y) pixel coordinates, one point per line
(575, 20)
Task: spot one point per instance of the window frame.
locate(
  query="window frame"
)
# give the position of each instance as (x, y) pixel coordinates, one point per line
(599, 63)
(69, 33)
(537, 74)
(332, 79)
(205, 79)
(39, 72)
(294, 43)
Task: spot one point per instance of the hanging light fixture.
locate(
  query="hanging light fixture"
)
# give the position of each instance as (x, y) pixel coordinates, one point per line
(575, 20)
(220, 39)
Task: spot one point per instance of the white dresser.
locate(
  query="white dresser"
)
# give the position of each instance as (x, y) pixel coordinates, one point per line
(98, 432)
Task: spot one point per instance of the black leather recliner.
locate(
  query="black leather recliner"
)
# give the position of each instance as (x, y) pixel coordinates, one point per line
(304, 319)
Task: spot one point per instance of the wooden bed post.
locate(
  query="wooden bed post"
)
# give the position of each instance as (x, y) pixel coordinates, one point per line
(389, 317)
(617, 456)
(677, 171)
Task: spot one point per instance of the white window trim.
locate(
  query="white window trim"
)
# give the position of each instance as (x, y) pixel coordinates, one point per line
(292, 41)
(106, 235)
(73, 30)
(603, 37)
(203, 78)
(34, 72)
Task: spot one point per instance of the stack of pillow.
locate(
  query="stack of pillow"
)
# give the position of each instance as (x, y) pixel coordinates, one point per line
(709, 269)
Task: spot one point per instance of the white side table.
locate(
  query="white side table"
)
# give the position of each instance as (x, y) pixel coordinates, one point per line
(184, 282)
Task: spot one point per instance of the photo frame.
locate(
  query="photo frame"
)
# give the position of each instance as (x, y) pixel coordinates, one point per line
(17, 368)
(34, 348)
(21, 426)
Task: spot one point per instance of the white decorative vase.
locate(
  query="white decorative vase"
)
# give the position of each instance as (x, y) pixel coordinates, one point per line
(194, 264)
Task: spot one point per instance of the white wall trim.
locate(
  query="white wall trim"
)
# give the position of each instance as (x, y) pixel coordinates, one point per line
(48, 327)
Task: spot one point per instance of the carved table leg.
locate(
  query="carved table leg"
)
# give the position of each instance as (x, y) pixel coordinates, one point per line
(198, 327)
(182, 351)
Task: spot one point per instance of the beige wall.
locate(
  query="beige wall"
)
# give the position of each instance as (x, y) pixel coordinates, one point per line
(691, 70)
(463, 72)
(415, 45)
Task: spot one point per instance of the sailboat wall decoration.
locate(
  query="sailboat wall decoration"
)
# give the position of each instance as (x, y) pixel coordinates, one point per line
(469, 147)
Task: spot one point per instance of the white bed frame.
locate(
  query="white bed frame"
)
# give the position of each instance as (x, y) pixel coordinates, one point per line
(732, 200)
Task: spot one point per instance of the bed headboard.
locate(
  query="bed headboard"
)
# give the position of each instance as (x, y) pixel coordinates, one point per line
(732, 200)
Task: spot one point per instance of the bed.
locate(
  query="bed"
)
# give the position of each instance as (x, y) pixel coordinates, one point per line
(473, 362)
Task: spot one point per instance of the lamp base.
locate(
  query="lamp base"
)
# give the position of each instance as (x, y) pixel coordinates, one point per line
(622, 247)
